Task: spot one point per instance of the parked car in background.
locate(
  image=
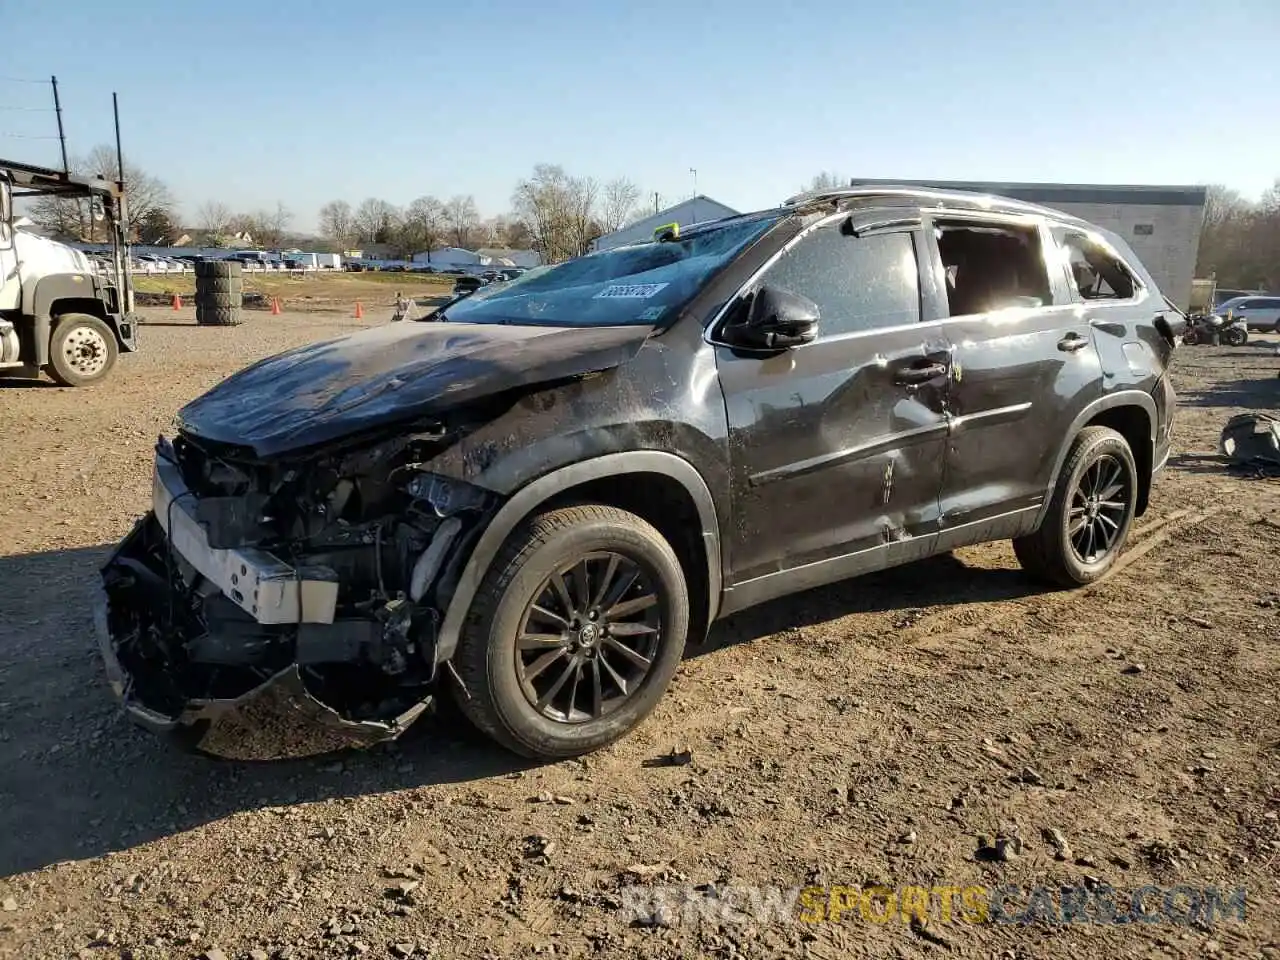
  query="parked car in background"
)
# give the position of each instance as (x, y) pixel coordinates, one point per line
(467, 285)
(534, 501)
(1258, 313)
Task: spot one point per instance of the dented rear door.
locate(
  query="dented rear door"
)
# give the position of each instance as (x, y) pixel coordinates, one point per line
(1020, 376)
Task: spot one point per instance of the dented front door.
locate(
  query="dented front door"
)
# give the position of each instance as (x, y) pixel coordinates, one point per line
(837, 446)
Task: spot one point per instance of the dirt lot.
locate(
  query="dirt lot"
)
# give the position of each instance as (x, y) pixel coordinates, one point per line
(867, 733)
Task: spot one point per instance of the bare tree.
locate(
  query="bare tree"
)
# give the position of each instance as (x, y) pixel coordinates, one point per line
(337, 223)
(213, 218)
(143, 192)
(584, 228)
(1239, 240)
(827, 180)
(275, 225)
(245, 225)
(62, 218)
(617, 204)
(463, 219)
(423, 227)
(558, 212)
(373, 221)
(542, 204)
(145, 195)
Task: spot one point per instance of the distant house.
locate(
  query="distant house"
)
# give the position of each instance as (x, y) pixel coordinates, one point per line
(373, 251)
(694, 210)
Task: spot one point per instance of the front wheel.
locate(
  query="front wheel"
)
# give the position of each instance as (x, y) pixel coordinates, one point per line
(574, 634)
(1090, 512)
(1235, 337)
(82, 350)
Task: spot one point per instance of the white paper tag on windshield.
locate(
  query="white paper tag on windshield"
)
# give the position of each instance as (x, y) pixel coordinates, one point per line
(629, 291)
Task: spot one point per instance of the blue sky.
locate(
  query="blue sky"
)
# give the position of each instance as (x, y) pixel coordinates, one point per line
(396, 99)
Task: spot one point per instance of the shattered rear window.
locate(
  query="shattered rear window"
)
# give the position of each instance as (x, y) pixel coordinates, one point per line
(641, 284)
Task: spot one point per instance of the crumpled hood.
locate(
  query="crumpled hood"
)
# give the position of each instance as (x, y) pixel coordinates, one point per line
(328, 390)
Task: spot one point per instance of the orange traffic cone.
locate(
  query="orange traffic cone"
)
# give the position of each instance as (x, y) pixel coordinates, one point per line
(177, 301)
(359, 311)
(275, 306)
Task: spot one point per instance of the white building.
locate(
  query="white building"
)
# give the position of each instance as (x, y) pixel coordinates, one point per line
(1161, 223)
(694, 210)
(450, 257)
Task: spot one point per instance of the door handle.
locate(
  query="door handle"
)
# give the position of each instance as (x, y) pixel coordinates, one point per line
(1072, 342)
(919, 374)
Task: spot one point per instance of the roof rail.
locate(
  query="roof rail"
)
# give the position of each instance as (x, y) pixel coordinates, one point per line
(965, 198)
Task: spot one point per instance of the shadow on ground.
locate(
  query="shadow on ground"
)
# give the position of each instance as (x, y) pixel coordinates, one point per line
(80, 780)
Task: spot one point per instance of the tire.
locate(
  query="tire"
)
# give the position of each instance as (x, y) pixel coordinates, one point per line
(223, 301)
(1235, 337)
(221, 285)
(218, 316)
(82, 350)
(494, 688)
(220, 269)
(1051, 554)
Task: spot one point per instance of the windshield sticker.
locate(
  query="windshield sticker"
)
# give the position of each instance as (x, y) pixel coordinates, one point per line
(629, 291)
(653, 313)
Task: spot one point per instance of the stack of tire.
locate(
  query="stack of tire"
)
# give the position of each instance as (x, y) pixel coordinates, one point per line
(219, 293)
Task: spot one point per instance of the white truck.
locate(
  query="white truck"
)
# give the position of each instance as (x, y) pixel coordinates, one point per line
(58, 314)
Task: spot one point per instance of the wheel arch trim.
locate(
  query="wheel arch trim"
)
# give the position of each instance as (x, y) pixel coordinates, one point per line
(528, 498)
(1121, 398)
(80, 288)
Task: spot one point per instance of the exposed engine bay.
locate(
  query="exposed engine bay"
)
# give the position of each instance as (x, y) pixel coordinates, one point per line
(315, 580)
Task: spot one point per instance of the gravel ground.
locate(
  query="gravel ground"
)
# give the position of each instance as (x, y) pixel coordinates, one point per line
(944, 724)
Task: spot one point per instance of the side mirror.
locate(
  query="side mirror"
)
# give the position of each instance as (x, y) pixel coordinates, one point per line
(775, 319)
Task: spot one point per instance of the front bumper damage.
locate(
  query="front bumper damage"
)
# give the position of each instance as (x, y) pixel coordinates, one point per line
(240, 653)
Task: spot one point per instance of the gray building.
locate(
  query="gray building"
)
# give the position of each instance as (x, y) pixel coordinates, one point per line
(1161, 223)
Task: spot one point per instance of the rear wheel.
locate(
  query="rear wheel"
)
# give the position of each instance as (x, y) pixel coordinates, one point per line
(574, 634)
(1089, 514)
(82, 350)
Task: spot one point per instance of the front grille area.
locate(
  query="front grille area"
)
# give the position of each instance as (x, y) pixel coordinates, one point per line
(210, 473)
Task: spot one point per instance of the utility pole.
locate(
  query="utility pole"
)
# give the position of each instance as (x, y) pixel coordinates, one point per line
(693, 210)
(62, 136)
(655, 201)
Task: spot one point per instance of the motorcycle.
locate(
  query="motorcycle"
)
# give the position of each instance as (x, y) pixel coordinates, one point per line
(1211, 329)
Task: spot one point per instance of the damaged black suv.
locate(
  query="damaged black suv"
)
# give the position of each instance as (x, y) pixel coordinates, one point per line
(535, 499)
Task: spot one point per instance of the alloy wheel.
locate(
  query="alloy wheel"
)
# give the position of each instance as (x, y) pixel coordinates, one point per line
(1099, 503)
(589, 637)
